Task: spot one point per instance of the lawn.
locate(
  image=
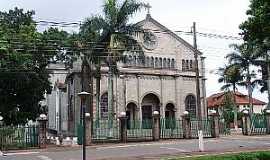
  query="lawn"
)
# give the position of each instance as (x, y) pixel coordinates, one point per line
(260, 155)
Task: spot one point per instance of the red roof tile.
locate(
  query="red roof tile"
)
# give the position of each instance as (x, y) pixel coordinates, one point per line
(217, 99)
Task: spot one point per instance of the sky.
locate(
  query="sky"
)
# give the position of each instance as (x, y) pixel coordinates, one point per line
(211, 16)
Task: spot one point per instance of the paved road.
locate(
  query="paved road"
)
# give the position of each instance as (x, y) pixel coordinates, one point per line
(147, 150)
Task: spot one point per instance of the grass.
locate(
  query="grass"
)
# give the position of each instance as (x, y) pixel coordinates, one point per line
(259, 155)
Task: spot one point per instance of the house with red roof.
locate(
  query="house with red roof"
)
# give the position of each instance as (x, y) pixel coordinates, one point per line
(216, 101)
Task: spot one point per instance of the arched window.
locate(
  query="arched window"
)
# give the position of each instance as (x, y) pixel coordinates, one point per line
(152, 62)
(183, 65)
(187, 64)
(190, 103)
(173, 63)
(134, 60)
(160, 62)
(147, 62)
(190, 65)
(129, 60)
(169, 63)
(164, 63)
(104, 106)
(156, 63)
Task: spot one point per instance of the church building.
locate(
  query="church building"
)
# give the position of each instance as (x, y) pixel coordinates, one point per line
(164, 81)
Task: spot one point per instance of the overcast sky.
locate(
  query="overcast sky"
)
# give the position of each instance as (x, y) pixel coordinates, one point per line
(211, 16)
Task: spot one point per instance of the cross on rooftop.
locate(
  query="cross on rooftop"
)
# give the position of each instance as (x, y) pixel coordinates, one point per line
(148, 6)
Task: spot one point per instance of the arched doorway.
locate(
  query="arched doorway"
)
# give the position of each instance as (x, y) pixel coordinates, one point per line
(131, 114)
(170, 111)
(150, 103)
(170, 116)
(190, 103)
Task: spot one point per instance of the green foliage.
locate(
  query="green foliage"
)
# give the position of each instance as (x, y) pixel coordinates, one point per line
(24, 55)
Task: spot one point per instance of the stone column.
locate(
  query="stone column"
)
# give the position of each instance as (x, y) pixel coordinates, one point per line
(88, 129)
(214, 125)
(42, 122)
(186, 125)
(246, 123)
(156, 126)
(123, 127)
(267, 117)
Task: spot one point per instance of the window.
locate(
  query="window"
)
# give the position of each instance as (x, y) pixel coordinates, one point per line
(164, 63)
(183, 64)
(187, 64)
(190, 103)
(169, 63)
(190, 65)
(152, 62)
(134, 60)
(160, 62)
(147, 62)
(173, 63)
(156, 63)
(104, 106)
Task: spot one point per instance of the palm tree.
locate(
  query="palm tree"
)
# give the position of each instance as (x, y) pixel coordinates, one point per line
(114, 37)
(231, 76)
(244, 57)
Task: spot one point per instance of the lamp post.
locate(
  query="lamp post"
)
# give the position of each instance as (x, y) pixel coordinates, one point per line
(83, 96)
(1, 121)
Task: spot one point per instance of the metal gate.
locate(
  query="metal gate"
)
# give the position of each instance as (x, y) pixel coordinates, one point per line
(258, 124)
(171, 128)
(206, 127)
(138, 130)
(105, 130)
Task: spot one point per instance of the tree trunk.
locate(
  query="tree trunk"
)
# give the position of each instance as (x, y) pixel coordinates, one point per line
(268, 82)
(235, 110)
(249, 91)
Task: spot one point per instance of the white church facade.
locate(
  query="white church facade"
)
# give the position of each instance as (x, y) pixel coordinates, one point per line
(163, 81)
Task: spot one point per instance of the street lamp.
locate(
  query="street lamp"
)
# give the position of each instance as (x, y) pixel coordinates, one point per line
(1, 121)
(83, 96)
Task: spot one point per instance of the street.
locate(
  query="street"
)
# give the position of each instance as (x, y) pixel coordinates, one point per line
(147, 150)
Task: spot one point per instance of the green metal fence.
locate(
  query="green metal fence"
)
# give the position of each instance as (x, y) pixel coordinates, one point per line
(171, 128)
(206, 127)
(258, 124)
(224, 128)
(105, 130)
(19, 137)
(139, 130)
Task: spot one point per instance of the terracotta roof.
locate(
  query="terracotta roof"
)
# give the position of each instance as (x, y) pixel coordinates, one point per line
(217, 100)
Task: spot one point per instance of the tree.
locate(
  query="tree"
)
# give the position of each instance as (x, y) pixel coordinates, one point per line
(23, 76)
(114, 36)
(231, 76)
(244, 57)
(256, 31)
(24, 56)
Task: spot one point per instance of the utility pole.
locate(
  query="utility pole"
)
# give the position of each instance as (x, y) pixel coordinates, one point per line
(198, 95)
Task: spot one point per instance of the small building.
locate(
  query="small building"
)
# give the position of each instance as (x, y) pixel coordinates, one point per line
(216, 101)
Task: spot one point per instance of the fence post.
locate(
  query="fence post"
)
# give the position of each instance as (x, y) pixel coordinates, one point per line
(214, 118)
(186, 125)
(155, 126)
(246, 123)
(42, 121)
(123, 127)
(267, 117)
